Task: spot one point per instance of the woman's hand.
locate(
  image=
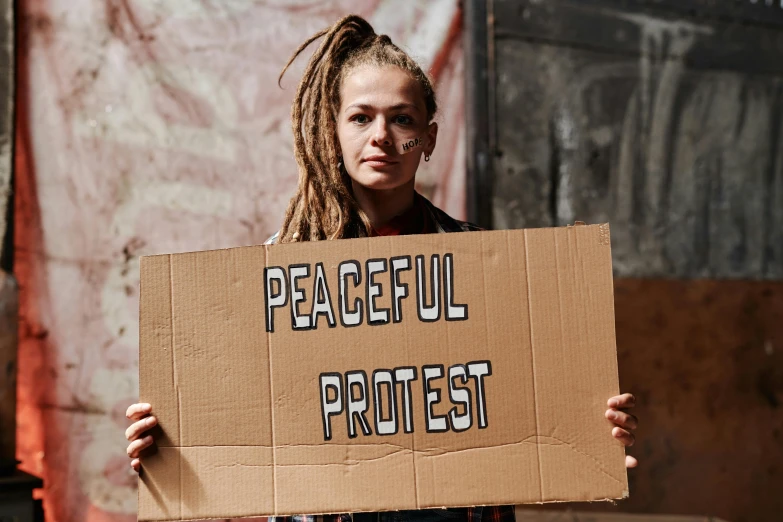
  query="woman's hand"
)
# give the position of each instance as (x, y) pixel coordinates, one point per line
(623, 422)
(140, 413)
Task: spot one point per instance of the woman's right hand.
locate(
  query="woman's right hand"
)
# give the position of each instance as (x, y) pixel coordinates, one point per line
(143, 421)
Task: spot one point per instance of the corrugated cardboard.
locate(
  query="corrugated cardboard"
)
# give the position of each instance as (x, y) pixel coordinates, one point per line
(251, 421)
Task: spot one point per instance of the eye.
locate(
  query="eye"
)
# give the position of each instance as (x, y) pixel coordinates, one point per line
(403, 119)
(360, 118)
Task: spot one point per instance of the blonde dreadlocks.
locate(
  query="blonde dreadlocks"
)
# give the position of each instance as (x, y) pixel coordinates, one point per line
(324, 206)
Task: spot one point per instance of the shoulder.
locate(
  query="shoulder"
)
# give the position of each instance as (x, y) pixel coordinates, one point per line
(272, 240)
(443, 222)
(446, 223)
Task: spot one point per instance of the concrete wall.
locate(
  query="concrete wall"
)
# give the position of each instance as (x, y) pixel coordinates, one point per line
(6, 128)
(666, 124)
(664, 119)
(8, 287)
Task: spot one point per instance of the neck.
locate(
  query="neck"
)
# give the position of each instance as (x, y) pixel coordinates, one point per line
(381, 206)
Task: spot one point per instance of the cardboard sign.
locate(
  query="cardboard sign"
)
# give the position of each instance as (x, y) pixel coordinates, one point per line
(380, 374)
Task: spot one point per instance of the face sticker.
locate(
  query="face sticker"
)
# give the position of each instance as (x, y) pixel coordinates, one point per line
(408, 145)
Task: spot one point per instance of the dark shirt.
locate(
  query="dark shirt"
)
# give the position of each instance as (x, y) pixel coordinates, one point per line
(416, 220)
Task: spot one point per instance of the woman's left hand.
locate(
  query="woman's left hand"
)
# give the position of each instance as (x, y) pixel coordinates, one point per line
(623, 422)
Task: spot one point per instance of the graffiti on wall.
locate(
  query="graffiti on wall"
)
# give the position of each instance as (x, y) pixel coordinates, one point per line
(667, 127)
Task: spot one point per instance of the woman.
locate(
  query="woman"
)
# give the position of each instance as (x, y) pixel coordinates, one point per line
(360, 98)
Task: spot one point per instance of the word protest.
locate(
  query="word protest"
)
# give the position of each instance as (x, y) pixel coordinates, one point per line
(353, 399)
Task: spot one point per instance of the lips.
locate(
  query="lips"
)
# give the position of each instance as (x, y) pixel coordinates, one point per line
(379, 160)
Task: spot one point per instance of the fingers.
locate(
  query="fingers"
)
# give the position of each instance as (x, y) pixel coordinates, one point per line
(623, 436)
(138, 411)
(135, 430)
(624, 422)
(622, 419)
(626, 400)
(135, 447)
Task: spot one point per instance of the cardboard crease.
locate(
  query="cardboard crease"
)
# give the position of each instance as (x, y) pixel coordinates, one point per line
(174, 378)
(271, 397)
(533, 358)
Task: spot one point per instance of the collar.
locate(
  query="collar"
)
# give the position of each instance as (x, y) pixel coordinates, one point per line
(418, 219)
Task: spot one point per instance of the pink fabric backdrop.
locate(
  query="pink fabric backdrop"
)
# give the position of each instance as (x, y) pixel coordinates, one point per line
(151, 126)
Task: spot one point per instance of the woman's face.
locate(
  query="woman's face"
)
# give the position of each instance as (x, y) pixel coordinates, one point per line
(381, 108)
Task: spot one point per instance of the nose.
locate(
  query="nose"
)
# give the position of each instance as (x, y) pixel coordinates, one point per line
(381, 136)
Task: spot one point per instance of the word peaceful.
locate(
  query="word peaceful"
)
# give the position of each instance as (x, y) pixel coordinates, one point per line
(350, 394)
(284, 286)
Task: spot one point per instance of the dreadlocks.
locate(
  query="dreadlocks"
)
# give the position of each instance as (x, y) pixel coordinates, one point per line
(324, 206)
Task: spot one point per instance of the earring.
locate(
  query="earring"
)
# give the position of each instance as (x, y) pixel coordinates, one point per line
(426, 157)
